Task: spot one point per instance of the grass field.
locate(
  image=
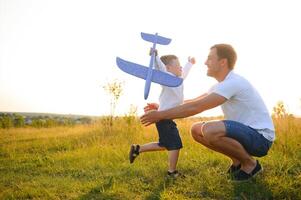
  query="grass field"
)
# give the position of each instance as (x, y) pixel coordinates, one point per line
(91, 162)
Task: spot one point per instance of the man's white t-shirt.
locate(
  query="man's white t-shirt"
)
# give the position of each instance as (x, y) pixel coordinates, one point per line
(244, 104)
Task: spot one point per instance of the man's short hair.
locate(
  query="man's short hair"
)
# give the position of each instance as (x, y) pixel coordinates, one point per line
(168, 58)
(226, 51)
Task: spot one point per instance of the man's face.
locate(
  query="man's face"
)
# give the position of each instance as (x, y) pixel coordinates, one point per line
(213, 63)
(174, 67)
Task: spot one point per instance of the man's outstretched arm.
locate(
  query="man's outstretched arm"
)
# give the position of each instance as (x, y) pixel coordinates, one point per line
(195, 99)
(185, 110)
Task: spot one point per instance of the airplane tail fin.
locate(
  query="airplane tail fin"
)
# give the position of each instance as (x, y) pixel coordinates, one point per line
(155, 38)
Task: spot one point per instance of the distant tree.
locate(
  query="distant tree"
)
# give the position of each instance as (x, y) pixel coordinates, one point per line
(114, 89)
(19, 120)
(85, 120)
(6, 121)
(68, 121)
(131, 116)
(279, 111)
(50, 122)
(38, 123)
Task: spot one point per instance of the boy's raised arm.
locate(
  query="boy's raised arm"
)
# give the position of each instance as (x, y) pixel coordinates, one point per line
(187, 67)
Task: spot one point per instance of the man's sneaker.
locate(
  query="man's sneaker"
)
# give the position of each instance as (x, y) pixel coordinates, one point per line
(243, 176)
(233, 169)
(134, 152)
(175, 174)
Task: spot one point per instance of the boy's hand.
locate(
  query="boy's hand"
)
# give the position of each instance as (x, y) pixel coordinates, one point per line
(151, 106)
(191, 60)
(151, 51)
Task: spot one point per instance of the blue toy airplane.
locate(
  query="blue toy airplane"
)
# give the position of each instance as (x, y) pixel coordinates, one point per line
(148, 73)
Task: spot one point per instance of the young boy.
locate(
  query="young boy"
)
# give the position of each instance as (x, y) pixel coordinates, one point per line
(169, 138)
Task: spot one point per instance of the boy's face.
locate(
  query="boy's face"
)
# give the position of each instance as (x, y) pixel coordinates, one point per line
(174, 67)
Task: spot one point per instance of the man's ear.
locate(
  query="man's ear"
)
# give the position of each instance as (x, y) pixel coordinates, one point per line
(224, 61)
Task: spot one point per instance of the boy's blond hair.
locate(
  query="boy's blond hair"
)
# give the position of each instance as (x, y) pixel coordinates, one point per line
(168, 58)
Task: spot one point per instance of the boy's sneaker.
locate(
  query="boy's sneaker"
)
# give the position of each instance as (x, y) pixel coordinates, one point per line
(233, 169)
(134, 152)
(243, 176)
(175, 174)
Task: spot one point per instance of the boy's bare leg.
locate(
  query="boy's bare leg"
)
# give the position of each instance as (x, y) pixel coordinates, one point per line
(173, 156)
(153, 146)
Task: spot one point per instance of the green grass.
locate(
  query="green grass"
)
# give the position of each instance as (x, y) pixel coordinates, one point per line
(91, 162)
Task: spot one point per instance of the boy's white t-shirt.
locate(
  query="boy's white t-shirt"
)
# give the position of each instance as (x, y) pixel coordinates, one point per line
(171, 96)
(244, 104)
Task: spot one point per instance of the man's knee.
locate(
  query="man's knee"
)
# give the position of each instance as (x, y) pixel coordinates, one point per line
(196, 130)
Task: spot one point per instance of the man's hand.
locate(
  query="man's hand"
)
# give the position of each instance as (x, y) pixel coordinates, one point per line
(151, 106)
(150, 117)
(191, 60)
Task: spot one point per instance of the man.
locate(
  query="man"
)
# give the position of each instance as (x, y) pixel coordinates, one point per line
(247, 130)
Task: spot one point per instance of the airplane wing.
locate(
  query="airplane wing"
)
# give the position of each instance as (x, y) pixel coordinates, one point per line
(141, 71)
(166, 79)
(132, 68)
(155, 38)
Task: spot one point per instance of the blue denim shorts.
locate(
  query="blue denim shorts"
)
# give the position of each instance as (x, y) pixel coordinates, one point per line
(169, 135)
(253, 142)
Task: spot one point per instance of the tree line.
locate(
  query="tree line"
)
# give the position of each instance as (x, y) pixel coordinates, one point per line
(10, 120)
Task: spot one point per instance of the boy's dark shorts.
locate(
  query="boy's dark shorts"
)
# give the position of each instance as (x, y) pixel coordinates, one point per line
(169, 135)
(253, 142)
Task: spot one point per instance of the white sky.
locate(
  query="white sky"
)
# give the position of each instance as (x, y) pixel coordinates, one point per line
(56, 55)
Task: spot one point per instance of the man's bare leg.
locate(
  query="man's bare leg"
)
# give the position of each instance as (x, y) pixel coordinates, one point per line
(213, 136)
(196, 132)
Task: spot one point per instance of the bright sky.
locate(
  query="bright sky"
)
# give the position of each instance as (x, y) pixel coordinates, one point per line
(56, 55)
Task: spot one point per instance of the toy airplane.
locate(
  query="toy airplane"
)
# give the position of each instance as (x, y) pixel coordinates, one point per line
(148, 73)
